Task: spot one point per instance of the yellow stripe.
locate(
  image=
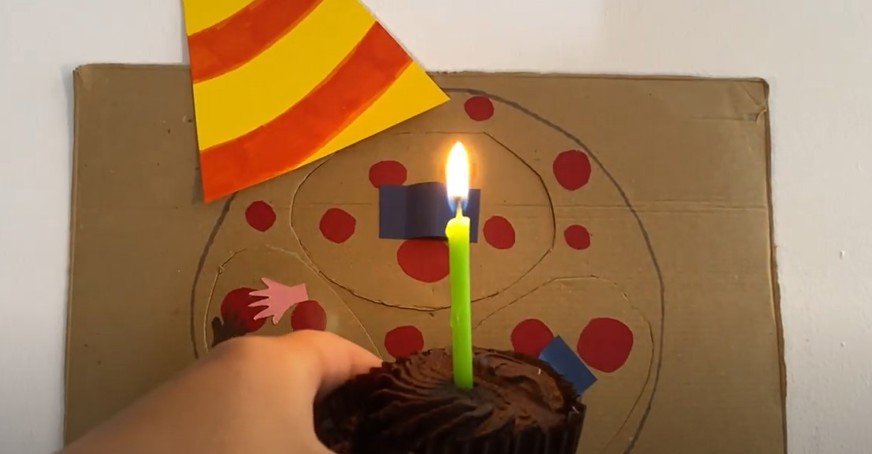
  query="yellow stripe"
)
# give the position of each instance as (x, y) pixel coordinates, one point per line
(259, 91)
(202, 14)
(413, 93)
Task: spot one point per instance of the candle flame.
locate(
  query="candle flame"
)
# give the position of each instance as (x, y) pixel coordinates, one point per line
(457, 173)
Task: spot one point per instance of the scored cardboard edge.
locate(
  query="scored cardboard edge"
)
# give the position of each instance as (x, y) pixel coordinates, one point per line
(480, 73)
(76, 103)
(773, 262)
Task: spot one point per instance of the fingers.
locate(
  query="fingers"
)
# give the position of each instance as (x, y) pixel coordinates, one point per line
(334, 360)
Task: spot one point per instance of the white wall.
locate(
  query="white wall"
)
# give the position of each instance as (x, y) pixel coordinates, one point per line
(817, 55)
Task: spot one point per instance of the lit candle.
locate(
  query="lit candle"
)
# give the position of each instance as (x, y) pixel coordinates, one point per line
(457, 231)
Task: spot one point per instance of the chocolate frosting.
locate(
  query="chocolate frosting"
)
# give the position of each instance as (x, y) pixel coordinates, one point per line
(412, 405)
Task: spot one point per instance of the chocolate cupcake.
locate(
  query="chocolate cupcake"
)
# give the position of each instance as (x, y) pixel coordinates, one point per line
(519, 404)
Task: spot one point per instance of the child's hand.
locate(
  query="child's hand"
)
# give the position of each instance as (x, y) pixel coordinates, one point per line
(249, 394)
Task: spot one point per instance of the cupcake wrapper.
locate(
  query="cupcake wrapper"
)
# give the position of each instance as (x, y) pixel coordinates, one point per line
(563, 440)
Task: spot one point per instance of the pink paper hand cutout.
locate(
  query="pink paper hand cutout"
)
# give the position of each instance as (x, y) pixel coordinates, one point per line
(279, 298)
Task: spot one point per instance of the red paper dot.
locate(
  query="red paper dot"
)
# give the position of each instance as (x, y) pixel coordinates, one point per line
(235, 310)
(424, 260)
(572, 169)
(404, 341)
(337, 225)
(309, 315)
(577, 237)
(605, 344)
(531, 336)
(479, 108)
(387, 172)
(499, 233)
(260, 216)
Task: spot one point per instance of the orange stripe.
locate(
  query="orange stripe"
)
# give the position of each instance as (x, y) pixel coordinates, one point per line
(229, 44)
(285, 142)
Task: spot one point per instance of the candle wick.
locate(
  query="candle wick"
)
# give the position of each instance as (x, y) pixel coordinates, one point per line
(458, 203)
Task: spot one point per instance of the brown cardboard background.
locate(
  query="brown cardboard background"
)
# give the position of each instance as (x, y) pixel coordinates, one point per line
(691, 156)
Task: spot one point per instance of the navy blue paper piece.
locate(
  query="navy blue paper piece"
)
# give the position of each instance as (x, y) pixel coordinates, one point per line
(421, 211)
(561, 357)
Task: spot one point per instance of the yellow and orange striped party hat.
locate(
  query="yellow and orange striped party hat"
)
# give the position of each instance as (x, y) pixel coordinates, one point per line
(281, 83)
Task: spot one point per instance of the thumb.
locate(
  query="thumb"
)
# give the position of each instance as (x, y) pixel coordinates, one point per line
(333, 360)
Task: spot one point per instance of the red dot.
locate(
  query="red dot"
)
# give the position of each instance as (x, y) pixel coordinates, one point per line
(404, 341)
(531, 336)
(235, 310)
(577, 237)
(387, 172)
(260, 216)
(572, 169)
(337, 225)
(499, 233)
(309, 315)
(479, 108)
(424, 260)
(605, 344)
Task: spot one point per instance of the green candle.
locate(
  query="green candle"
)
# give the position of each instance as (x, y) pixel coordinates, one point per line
(457, 231)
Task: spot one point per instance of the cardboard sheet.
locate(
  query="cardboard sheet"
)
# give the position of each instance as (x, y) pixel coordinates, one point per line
(282, 83)
(629, 216)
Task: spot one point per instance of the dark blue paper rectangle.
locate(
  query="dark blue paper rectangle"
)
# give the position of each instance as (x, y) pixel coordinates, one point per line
(421, 211)
(561, 357)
